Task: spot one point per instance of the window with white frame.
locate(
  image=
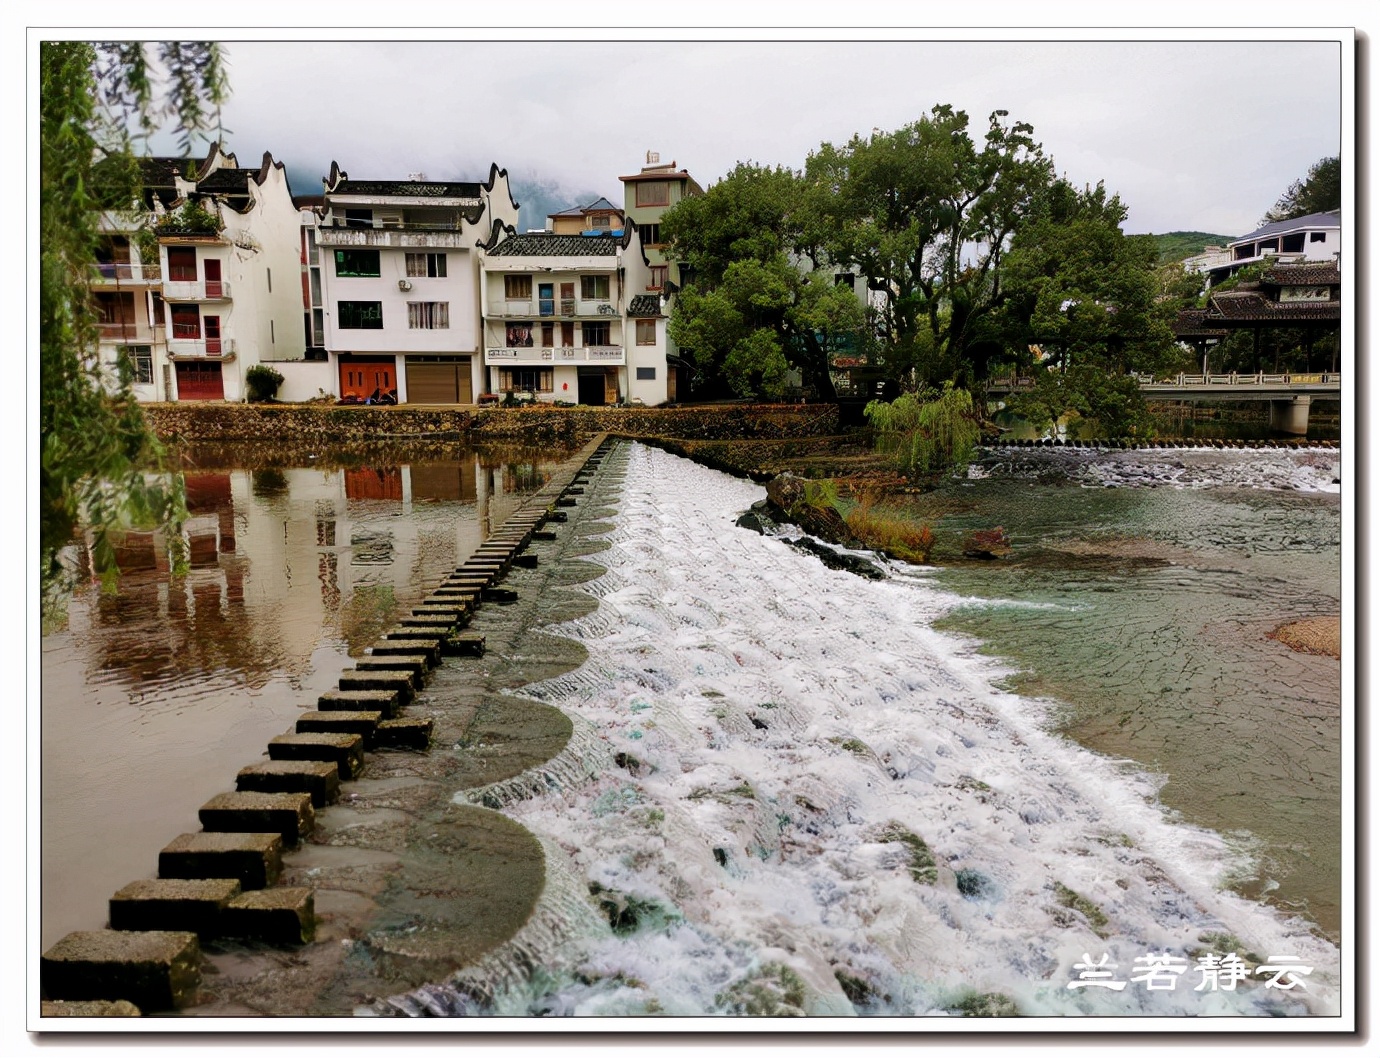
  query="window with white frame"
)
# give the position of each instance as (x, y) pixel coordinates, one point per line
(426, 265)
(141, 363)
(428, 315)
(525, 379)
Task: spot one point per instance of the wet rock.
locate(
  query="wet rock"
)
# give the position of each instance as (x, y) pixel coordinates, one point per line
(987, 543)
(973, 884)
(837, 560)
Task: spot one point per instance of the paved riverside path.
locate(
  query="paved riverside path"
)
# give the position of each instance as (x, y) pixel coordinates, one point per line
(410, 885)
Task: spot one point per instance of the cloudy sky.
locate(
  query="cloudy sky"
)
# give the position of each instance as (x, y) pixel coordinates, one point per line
(1194, 135)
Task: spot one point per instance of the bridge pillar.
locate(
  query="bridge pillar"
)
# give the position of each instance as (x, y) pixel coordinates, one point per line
(1290, 415)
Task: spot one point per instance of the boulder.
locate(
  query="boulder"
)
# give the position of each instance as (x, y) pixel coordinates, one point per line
(987, 543)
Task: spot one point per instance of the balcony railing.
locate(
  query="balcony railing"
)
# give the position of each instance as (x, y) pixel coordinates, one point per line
(207, 348)
(124, 272)
(537, 308)
(197, 290)
(126, 332)
(407, 238)
(561, 354)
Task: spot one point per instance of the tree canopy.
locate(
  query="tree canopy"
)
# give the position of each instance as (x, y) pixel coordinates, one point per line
(1318, 192)
(95, 447)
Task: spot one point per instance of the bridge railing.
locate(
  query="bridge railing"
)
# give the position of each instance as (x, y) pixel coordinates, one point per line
(1316, 378)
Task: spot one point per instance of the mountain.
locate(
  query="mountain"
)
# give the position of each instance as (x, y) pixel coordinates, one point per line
(1176, 245)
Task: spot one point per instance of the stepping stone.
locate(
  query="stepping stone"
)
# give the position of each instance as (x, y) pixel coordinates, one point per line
(319, 778)
(340, 722)
(243, 811)
(416, 663)
(561, 516)
(394, 642)
(192, 905)
(525, 561)
(574, 491)
(90, 1008)
(565, 501)
(408, 732)
(469, 644)
(400, 682)
(500, 595)
(347, 751)
(439, 625)
(281, 915)
(156, 970)
(255, 860)
(544, 534)
(384, 701)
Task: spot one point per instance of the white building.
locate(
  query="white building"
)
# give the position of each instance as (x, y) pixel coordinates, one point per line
(568, 318)
(400, 278)
(1315, 238)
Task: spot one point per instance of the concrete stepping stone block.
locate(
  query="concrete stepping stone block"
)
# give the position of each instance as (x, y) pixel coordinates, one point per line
(466, 644)
(383, 700)
(560, 516)
(90, 1008)
(155, 970)
(500, 595)
(190, 905)
(544, 534)
(283, 915)
(575, 490)
(346, 751)
(428, 624)
(525, 561)
(566, 501)
(245, 811)
(417, 664)
(319, 778)
(255, 860)
(340, 722)
(405, 641)
(406, 732)
(401, 682)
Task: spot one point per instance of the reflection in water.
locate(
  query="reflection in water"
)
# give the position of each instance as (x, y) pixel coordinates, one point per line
(153, 697)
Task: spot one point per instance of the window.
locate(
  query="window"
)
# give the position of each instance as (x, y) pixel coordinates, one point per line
(1292, 243)
(646, 332)
(646, 374)
(186, 321)
(658, 279)
(548, 335)
(426, 265)
(517, 288)
(595, 333)
(115, 308)
(182, 264)
(158, 309)
(594, 288)
(520, 379)
(318, 328)
(428, 315)
(315, 275)
(141, 363)
(599, 222)
(650, 234)
(359, 315)
(519, 335)
(357, 263)
(1317, 236)
(312, 255)
(653, 193)
(359, 218)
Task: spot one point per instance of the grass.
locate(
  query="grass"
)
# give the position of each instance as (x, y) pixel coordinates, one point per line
(898, 536)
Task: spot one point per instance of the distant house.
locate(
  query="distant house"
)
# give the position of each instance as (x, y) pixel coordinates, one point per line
(600, 217)
(568, 318)
(400, 280)
(1314, 238)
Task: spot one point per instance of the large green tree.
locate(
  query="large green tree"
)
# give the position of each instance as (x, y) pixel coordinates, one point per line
(1318, 192)
(756, 305)
(925, 214)
(95, 448)
(1078, 287)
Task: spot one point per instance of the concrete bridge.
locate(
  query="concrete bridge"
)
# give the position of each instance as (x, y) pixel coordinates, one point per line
(1290, 395)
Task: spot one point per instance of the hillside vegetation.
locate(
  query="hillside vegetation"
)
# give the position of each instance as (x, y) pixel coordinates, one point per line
(1176, 245)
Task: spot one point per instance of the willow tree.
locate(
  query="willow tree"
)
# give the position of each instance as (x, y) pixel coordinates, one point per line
(98, 461)
(926, 434)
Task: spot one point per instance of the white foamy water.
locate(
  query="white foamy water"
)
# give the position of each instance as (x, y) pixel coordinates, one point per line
(782, 727)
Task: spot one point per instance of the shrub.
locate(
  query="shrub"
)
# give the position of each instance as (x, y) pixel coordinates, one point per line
(262, 382)
(898, 536)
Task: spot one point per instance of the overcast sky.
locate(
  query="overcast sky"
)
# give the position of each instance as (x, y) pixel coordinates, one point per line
(1193, 135)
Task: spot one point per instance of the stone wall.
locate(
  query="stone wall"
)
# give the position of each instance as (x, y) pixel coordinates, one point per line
(327, 423)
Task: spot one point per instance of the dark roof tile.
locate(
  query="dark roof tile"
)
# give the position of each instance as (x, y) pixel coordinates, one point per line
(1331, 219)
(1309, 275)
(545, 244)
(644, 305)
(406, 189)
(1238, 307)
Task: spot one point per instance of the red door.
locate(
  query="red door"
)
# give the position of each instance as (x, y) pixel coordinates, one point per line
(212, 324)
(199, 381)
(213, 287)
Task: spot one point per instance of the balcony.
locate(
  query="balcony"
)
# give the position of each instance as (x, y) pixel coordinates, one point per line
(196, 290)
(124, 272)
(564, 354)
(568, 308)
(127, 332)
(201, 348)
(411, 237)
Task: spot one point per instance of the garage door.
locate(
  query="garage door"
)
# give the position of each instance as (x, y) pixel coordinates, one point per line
(439, 382)
(199, 382)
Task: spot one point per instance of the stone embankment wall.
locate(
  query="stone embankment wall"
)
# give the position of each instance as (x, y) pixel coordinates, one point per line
(322, 423)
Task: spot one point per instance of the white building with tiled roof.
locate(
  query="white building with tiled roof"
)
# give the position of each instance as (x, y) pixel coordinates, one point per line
(1315, 238)
(567, 318)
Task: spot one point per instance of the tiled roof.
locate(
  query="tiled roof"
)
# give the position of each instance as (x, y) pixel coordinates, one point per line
(406, 189)
(1331, 219)
(226, 181)
(160, 171)
(1191, 324)
(1249, 306)
(599, 205)
(644, 305)
(545, 244)
(1304, 275)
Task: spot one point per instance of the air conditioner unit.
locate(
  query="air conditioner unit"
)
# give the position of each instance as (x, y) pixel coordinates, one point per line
(403, 284)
